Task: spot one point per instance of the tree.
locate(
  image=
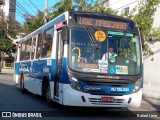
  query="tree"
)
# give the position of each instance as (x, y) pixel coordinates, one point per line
(33, 22)
(84, 5)
(61, 7)
(80, 5)
(102, 6)
(144, 19)
(6, 45)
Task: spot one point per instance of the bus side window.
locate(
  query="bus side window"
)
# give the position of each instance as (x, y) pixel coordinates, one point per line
(33, 49)
(28, 50)
(39, 46)
(47, 43)
(23, 45)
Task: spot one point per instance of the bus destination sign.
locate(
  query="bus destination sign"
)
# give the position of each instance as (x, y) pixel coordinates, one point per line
(101, 23)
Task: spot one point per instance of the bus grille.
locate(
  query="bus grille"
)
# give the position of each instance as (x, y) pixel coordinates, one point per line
(98, 101)
(108, 83)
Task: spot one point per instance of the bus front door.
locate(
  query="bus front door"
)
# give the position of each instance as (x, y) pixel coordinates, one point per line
(58, 70)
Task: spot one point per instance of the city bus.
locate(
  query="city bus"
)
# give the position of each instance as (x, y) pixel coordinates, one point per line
(83, 59)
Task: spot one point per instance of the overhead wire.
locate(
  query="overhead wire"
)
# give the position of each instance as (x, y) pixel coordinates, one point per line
(29, 7)
(18, 11)
(21, 8)
(34, 5)
(18, 4)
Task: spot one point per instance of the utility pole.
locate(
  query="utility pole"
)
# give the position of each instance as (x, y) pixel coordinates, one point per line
(46, 12)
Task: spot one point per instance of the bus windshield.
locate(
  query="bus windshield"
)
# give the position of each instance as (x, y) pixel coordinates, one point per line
(104, 51)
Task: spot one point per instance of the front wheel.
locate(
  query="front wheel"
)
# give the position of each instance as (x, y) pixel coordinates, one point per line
(23, 90)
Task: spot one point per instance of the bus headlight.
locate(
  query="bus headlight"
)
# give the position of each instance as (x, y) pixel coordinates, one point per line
(137, 86)
(74, 82)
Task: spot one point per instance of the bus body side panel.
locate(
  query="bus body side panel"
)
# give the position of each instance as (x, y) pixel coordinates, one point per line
(16, 72)
(16, 65)
(34, 71)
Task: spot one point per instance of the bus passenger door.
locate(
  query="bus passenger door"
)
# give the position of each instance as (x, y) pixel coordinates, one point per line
(59, 56)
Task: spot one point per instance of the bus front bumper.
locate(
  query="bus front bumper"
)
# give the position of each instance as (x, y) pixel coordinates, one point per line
(73, 97)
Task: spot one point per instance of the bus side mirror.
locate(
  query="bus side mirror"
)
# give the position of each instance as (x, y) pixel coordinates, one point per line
(65, 33)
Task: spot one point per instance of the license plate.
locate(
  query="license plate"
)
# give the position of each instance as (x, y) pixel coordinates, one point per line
(107, 99)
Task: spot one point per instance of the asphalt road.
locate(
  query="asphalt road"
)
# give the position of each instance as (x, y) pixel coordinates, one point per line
(12, 100)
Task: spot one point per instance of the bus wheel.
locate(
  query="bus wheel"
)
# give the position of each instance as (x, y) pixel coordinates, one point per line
(48, 95)
(23, 90)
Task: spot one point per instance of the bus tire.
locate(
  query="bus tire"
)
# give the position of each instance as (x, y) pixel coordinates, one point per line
(23, 90)
(46, 92)
(48, 95)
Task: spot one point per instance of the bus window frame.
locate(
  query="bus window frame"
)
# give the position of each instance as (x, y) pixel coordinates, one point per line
(27, 41)
(39, 43)
(34, 38)
(43, 38)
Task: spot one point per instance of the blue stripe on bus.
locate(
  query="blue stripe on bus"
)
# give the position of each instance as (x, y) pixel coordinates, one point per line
(16, 69)
(65, 77)
(107, 90)
(39, 69)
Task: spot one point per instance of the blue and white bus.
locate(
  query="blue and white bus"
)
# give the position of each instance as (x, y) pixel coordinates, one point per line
(83, 59)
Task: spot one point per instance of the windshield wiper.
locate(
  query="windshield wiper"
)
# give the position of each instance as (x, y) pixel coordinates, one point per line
(90, 32)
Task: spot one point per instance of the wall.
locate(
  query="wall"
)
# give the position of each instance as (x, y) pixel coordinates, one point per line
(152, 73)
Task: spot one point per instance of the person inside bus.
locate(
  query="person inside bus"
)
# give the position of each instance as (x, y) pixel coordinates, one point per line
(112, 55)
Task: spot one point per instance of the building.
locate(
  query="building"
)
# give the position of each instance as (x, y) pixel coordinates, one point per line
(7, 9)
(151, 68)
(7, 13)
(126, 6)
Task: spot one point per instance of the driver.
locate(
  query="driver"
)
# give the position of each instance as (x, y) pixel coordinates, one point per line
(112, 55)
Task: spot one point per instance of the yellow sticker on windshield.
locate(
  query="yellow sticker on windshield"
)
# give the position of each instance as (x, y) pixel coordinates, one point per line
(100, 35)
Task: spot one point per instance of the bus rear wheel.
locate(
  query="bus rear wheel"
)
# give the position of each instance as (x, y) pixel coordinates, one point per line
(23, 90)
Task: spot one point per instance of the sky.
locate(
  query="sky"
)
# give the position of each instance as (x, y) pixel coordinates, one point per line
(25, 6)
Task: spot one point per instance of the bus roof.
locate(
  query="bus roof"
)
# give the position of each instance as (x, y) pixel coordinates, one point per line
(64, 16)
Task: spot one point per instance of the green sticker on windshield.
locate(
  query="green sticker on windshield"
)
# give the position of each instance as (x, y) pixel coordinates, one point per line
(134, 40)
(115, 33)
(120, 33)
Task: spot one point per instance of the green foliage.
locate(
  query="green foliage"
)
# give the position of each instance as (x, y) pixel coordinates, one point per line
(101, 6)
(33, 23)
(81, 5)
(144, 19)
(84, 5)
(61, 7)
(6, 45)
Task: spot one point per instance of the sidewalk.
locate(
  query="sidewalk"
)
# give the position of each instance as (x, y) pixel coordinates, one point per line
(150, 104)
(7, 70)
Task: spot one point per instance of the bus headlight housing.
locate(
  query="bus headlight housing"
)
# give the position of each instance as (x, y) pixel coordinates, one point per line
(137, 85)
(74, 82)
